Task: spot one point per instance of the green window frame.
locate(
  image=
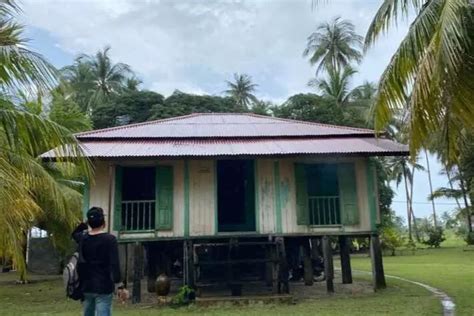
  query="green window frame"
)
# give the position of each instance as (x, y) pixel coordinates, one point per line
(322, 209)
(163, 204)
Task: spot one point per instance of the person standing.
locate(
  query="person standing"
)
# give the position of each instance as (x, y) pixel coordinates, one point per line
(100, 269)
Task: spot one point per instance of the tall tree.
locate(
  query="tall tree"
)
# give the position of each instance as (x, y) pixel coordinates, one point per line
(402, 169)
(432, 69)
(98, 76)
(242, 90)
(336, 85)
(126, 108)
(77, 82)
(28, 191)
(334, 45)
(430, 182)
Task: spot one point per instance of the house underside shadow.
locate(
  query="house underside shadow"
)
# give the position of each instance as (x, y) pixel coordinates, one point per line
(248, 266)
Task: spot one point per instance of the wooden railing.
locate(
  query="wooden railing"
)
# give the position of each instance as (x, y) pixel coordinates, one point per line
(138, 215)
(324, 210)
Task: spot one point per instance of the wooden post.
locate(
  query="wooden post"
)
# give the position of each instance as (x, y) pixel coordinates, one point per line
(283, 271)
(307, 263)
(233, 269)
(328, 265)
(190, 278)
(137, 272)
(275, 272)
(315, 252)
(151, 252)
(344, 247)
(378, 275)
(268, 267)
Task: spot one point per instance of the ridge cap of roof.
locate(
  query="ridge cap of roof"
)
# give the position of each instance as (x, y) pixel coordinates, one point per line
(177, 118)
(311, 123)
(114, 128)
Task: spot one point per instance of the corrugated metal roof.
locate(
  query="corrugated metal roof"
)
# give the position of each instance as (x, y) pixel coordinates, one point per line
(239, 147)
(213, 125)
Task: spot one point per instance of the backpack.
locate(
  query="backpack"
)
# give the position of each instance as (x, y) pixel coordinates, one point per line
(71, 278)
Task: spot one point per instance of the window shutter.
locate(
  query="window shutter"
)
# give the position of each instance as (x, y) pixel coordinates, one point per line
(348, 193)
(302, 212)
(118, 199)
(164, 197)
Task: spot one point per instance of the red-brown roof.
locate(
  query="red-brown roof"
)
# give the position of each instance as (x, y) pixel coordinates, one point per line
(213, 125)
(241, 147)
(216, 134)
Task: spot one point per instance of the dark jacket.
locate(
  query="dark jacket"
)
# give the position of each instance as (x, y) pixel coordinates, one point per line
(101, 268)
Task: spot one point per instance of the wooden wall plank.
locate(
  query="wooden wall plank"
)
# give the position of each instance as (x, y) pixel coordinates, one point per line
(266, 196)
(202, 197)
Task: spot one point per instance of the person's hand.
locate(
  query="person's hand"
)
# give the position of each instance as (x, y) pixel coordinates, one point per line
(123, 295)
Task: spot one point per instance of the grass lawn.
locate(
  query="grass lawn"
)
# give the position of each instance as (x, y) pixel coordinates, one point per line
(47, 297)
(450, 269)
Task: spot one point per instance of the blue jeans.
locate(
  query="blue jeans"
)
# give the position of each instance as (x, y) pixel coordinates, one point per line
(97, 304)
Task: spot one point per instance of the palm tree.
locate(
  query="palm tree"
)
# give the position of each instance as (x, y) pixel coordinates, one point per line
(428, 170)
(29, 192)
(133, 83)
(242, 90)
(336, 85)
(458, 192)
(401, 168)
(334, 45)
(78, 82)
(365, 91)
(262, 107)
(432, 68)
(20, 67)
(97, 76)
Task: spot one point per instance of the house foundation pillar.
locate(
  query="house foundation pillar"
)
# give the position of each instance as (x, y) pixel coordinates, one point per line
(328, 264)
(283, 271)
(344, 246)
(307, 263)
(137, 272)
(189, 275)
(378, 275)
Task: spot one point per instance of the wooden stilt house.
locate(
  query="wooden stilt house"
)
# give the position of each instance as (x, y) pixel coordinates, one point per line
(236, 197)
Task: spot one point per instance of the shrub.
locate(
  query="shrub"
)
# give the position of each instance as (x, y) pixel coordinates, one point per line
(184, 296)
(391, 239)
(469, 238)
(435, 237)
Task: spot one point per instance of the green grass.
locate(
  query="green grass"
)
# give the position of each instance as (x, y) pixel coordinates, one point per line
(449, 269)
(47, 297)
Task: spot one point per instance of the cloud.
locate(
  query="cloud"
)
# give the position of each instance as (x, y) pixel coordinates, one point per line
(195, 46)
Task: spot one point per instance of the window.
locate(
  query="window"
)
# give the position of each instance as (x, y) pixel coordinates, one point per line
(143, 198)
(323, 194)
(326, 194)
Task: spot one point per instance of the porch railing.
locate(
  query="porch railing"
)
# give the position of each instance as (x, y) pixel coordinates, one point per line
(324, 210)
(138, 215)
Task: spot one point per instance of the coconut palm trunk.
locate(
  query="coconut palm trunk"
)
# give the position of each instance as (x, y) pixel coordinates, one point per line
(450, 181)
(415, 227)
(435, 222)
(409, 214)
(466, 204)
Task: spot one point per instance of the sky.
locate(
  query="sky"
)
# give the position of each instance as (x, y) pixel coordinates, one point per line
(195, 46)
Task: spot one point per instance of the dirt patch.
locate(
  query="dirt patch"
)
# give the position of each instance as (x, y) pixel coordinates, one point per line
(258, 291)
